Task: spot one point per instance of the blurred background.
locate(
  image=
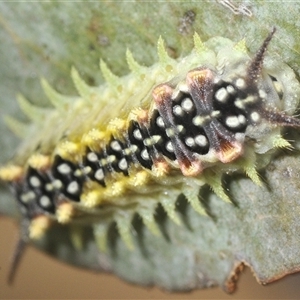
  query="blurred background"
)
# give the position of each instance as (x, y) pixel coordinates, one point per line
(41, 276)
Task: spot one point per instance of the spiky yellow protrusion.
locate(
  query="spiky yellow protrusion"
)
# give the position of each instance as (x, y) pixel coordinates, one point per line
(33, 112)
(115, 189)
(11, 173)
(280, 142)
(92, 197)
(39, 161)
(247, 162)
(253, 175)
(68, 150)
(139, 115)
(241, 46)
(164, 57)
(110, 78)
(133, 65)
(214, 180)
(92, 194)
(83, 89)
(38, 226)
(77, 236)
(138, 179)
(147, 214)
(94, 139)
(198, 44)
(100, 232)
(123, 220)
(117, 127)
(160, 169)
(61, 102)
(19, 128)
(169, 206)
(192, 195)
(65, 212)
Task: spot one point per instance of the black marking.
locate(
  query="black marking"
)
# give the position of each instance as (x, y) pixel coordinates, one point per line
(116, 148)
(139, 143)
(68, 177)
(91, 160)
(37, 182)
(186, 120)
(228, 108)
(156, 130)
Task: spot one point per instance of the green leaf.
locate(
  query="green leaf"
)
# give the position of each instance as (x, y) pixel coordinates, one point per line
(46, 39)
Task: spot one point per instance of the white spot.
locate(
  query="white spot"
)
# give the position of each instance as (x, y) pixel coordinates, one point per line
(190, 142)
(49, 187)
(25, 198)
(160, 122)
(92, 157)
(176, 93)
(148, 142)
(131, 149)
(137, 134)
(201, 140)
(250, 99)
(230, 89)
(198, 121)
(240, 83)
(177, 110)
(145, 154)
(35, 181)
(123, 165)
(277, 86)
(87, 169)
(64, 169)
(187, 104)
(152, 140)
(57, 184)
(170, 132)
(169, 147)
(115, 145)
(222, 95)
(239, 103)
(232, 121)
(111, 159)
(216, 80)
(155, 139)
(255, 116)
(180, 128)
(103, 162)
(45, 201)
(262, 94)
(78, 173)
(183, 87)
(242, 119)
(215, 114)
(180, 88)
(99, 175)
(73, 187)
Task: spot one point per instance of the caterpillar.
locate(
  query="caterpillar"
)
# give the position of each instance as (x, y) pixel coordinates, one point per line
(134, 142)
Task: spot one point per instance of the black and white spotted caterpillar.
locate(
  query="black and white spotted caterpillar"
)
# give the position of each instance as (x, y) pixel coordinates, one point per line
(144, 139)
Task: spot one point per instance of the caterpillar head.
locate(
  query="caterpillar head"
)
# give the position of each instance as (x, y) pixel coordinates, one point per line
(218, 109)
